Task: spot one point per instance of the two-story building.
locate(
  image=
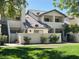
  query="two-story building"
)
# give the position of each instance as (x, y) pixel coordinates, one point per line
(36, 22)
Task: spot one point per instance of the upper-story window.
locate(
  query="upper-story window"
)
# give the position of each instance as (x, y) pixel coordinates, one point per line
(46, 19)
(58, 30)
(58, 19)
(36, 31)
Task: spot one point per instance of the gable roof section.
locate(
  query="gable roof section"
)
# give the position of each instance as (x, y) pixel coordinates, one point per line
(42, 13)
(34, 12)
(53, 10)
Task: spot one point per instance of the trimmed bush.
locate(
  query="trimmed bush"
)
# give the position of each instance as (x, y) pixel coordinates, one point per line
(43, 39)
(27, 40)
(53, 38)
(3, 39)
(71, 38)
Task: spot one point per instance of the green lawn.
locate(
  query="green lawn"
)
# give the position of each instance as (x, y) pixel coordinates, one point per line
(65, 51)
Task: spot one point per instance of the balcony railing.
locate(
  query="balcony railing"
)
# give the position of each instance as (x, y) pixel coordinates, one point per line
(13, 23)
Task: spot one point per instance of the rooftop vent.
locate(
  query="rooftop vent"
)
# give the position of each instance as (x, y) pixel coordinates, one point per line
(36, 25)
(38, 13)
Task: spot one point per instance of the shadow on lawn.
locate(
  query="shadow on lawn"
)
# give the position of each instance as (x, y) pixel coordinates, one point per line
(33, 53)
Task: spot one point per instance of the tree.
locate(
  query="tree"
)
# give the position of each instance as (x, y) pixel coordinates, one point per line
(74, 28)
(70, 28)
(11, 8)
(71, 5)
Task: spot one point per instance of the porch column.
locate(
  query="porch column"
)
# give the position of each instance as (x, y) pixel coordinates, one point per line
(54, 30)
(53, 18)
(54, 22)
(19, 38)
(42, 18)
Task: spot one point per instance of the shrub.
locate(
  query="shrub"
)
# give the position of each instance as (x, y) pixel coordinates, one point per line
(71, 38)
(53, 38)
(43, 39)
(3, 39)
(27, 40)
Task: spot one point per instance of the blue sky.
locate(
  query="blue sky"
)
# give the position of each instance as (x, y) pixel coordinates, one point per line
(44, 5)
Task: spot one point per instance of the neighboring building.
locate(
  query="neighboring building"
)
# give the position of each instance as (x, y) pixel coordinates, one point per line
(36, 22)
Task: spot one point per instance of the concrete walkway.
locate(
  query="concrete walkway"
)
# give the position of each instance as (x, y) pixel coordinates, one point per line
(40, 45)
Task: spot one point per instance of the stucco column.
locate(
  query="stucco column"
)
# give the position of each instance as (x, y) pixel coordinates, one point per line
(53, 18)
(54, 30)
(42, 18)
(54, 22)
(19, 38)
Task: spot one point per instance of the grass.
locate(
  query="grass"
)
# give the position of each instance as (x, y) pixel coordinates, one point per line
(65, 51)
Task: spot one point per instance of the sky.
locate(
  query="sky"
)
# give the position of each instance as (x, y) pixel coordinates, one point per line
(44, 5)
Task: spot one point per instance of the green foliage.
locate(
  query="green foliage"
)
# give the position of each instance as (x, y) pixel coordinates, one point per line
(43, 39)
(66, 28)
(64, 51)
(27, 40)
(3, 39)
(71, 28)
(53, 38)
(72, 6)
(74, 28)
(71, 38)
(11, 8)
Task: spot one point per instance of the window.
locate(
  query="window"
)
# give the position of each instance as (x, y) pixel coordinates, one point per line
(36, 31)
(58, 30)
(36, 25)
(29, 30)
(46, 19)
(57, 20)
(26, 31)
(51, 30)
(15, 30)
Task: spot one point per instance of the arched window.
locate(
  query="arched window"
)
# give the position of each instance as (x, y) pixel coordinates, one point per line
(46, 19)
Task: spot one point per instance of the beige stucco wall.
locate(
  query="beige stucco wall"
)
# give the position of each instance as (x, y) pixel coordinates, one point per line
(76, 36)
(14, 23)
(53, 14)
(45, 30)
(35, 38)
(53, 24)
(13, 37)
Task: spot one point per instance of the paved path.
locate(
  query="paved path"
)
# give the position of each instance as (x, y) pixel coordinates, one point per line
(40, 45)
